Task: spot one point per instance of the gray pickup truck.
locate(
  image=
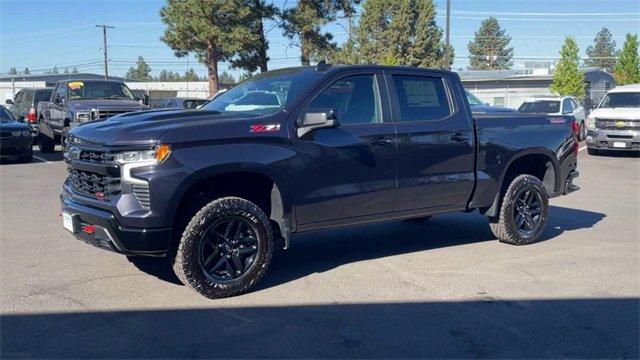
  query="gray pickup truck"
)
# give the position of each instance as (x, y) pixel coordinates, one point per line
(79, 101)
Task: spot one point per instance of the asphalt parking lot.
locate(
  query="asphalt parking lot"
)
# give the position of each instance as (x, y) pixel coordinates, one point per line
(442, 288)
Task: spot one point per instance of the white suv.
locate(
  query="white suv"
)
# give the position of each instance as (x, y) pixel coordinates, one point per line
(615, 124)
(557, 105)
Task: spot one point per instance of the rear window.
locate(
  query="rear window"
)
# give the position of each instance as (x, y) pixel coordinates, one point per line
(542, 106)
(43, 95)
(421, 98)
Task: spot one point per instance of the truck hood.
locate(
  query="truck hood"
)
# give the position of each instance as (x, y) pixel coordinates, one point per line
(144, 128)
(86, 105)
(616, 113)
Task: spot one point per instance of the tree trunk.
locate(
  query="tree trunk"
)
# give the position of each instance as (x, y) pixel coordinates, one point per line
(262, 51)
(212, 67)
(304, 50)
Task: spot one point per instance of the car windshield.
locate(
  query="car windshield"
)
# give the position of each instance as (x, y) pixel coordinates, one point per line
(81, 90)
(473, 101)
(192, 104)
(621, 100)
(266, 93)
(540, 106)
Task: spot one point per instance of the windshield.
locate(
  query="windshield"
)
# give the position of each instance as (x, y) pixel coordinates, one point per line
(541, 106)
(622, 100)
(266, 93)
(473, 101)
(80, 90)
(192, 104)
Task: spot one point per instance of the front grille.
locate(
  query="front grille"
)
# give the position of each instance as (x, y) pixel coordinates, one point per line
(610, 124)
(100, 157)
(5, 134)
(107, 113)
(93, 184)
(141, 192)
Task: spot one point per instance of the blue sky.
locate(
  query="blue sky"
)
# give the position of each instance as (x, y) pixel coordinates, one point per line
(43, 33)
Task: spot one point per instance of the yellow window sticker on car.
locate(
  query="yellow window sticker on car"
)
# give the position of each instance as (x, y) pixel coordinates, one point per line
(74, 85)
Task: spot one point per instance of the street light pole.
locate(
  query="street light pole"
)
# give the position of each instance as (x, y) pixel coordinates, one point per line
(446, 49)
(104, 45)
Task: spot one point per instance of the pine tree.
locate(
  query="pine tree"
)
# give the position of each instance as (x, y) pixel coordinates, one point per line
(215, 30)
(13, 71)
(190, 75)
(253, 56)
(400, 32)
(302, 24)
(567, 78)
(489, 49)
(226, 78)
(627, 69)
(26, 71)
(141, 72)
(75, 70)
(66, 70)
(603, 51)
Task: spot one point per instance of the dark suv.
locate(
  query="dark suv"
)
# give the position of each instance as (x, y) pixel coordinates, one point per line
(24, 106)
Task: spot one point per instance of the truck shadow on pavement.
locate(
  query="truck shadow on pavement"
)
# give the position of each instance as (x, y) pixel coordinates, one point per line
(483, 327)
(321, 251)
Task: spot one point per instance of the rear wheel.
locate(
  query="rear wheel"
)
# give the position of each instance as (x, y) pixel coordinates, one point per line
(45, 143)
(225, 249)
(523, 213)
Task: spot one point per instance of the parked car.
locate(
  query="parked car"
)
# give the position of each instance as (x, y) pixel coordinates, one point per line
(15, 137)
(79, 101)
(478, 107)
(615, 124)
(557, 105)
(25, 105)
(180, 103)
(214, 189)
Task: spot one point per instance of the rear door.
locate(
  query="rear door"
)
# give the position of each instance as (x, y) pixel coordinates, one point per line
(436, 150)
(347, 171)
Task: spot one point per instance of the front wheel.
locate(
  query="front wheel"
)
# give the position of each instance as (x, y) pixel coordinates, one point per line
(524, 212)
(225, 249)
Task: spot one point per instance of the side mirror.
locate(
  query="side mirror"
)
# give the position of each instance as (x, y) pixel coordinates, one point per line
(317, 120)
(58, 100)
(8, 102)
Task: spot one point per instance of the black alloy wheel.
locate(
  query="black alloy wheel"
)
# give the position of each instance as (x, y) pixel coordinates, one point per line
(228, 248)
(527, 210)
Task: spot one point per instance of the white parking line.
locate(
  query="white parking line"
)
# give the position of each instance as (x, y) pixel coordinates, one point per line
(582, 148)
(42, 159)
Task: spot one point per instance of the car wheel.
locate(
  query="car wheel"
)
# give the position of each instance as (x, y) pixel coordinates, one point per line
(592, 151)
(225, 249)
(524, 212)
(45, 144)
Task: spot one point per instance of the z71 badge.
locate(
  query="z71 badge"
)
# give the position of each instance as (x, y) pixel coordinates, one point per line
(261, 128)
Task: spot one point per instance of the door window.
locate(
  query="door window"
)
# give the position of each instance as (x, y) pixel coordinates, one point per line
(61, 91)
(567, 106)
(355, 98)
(421, 98)
(18, 97)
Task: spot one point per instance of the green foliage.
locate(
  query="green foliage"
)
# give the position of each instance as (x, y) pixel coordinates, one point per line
(402, 32)
(489, 48)
(627, 70)
(253, 55)
(26, 71)
(141, 72)
(215, 30)
(567, 78)
(190, 75)
(13, 71)
(226, 78)
(53, 70)
(302, 25)
(603, 51)
(75, 70)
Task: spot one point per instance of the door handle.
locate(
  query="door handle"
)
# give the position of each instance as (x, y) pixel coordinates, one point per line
(460, 137)
(381, 141)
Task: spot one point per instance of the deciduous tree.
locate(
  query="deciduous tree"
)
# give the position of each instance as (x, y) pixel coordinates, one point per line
(567, 78)
(627, 70)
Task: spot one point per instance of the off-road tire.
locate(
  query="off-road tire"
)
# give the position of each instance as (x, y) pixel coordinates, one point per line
(503, 225)
(45, 144)
(592, 151)
(185, 260)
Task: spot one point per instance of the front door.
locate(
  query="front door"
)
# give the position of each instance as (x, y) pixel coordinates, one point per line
(347, 171)
(436, 153)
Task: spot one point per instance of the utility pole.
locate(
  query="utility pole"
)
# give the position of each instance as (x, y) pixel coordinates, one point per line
(104, 45)
(447, 53)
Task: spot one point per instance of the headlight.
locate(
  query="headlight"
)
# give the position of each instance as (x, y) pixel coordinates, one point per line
(18, 133)
(83, 116)
(135, 159)
(591, 123)
(25, 132)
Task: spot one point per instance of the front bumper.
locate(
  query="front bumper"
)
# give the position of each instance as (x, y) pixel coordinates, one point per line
(618, 140)
(15, 146)
(106, 232)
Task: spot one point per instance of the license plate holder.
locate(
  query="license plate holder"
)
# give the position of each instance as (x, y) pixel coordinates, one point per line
(67, 222)
(619, 144)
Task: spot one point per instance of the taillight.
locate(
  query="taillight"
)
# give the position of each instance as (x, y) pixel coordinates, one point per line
(575, 127)
(576, 133)
(31, 116)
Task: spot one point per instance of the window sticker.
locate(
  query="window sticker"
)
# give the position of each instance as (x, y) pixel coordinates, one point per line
(421, 93)
(75, 85)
